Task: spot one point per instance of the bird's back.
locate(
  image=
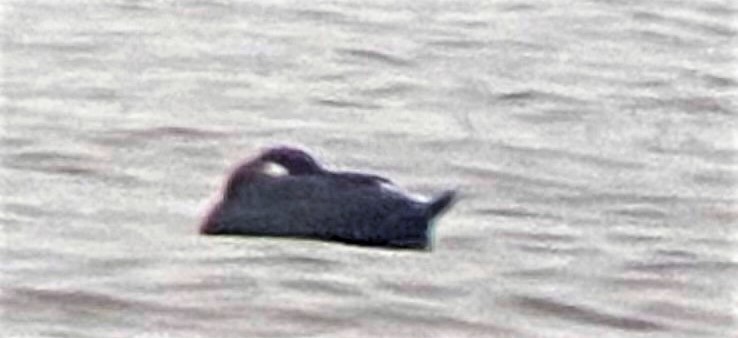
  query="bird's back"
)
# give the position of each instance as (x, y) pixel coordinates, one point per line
(324, 206)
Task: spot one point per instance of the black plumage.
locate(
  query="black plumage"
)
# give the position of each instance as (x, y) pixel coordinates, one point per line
(311, 202)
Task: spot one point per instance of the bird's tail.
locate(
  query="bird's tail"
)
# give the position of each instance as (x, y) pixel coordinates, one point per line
(440, 203)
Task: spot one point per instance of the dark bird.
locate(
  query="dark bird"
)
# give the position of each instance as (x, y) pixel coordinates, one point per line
(312, 202)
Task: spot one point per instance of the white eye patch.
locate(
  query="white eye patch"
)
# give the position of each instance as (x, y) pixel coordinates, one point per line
(274, 169)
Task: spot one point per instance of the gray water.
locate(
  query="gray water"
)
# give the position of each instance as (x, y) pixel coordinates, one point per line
(594, 143)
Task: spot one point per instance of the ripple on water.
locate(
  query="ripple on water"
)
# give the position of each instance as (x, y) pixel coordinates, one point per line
(587, 159)
(244, 285)
(464, 243)
(461, 44)
(346, 103)
(32, 297)
(669, 22)
(170, 131)
(537, 237)
(717, 178)
(65, 163)
(640, 212)
(634, 237)
(426, 291)
(515, 178)
(548, 116)
(548, 250)
(676, 254)
(646, 283)
(392, 89)
(513, 213)
(49, 156)
(583, 314)
(73, 303)
(283, 261)
(403, 321)
(26, 210)
(376, 56)
(708, 153)
(687, 312)
(321, 15)
(332, 288)
(679, 267)
(531, 95)
(307, 321)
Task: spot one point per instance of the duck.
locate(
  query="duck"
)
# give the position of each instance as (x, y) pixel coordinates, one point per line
(311, 202)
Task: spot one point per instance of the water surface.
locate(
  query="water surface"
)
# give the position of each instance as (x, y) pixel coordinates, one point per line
(594, 143)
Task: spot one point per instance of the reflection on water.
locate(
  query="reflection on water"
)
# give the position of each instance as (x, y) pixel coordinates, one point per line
(594, 145)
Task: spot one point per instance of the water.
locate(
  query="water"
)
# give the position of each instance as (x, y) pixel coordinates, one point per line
(594, 144)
